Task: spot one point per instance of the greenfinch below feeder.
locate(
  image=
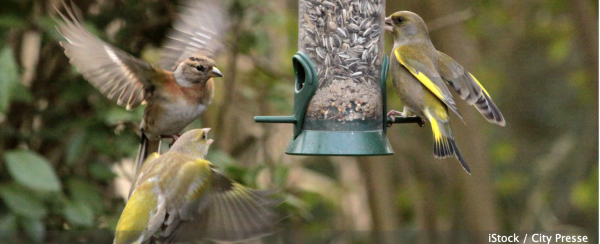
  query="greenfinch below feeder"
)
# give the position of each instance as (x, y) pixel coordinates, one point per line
(181, 196)
(418, 72)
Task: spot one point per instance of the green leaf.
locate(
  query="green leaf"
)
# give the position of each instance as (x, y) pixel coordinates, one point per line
(8, 228)
(299, 206)
(32, 170)
(21, 93)
(8, 223)
(117, 115)
(23, 202)
(584, 194)
(48, 24)
(280, 175)
(9, 78)
(221, 158)
(83, 191)
(559, 49)
(14, 21)
(75, 147)
(252, 174)
(79, 213)
(34, 228)
(101, 172)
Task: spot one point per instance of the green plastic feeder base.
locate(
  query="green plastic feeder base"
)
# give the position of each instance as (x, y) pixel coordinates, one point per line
(333, 138)
(340, 143)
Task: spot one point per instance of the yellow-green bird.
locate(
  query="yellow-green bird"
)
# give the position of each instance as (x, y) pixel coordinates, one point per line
(181, 195)
(418, 73)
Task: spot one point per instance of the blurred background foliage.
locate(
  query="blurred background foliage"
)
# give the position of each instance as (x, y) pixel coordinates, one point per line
(66, 151)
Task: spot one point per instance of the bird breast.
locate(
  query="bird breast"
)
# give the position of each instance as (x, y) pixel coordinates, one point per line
(169, 114)
(177, 115)
(409, 89)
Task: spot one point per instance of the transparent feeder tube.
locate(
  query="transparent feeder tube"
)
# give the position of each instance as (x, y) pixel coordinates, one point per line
(344, 39)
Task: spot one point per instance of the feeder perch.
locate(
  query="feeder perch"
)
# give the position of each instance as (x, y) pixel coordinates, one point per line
(340, 91)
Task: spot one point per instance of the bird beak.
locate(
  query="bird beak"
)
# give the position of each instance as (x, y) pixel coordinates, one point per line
(209, 141)
(216, 72)
(388, 25)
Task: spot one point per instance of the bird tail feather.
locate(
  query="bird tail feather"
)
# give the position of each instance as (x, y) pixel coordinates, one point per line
(444, 144)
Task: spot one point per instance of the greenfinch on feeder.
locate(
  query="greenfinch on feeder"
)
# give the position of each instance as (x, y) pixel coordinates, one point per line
(177, 90)
(418, 72)
(181, 194)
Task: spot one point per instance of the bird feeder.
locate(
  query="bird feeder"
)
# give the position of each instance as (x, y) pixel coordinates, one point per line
(340, 69)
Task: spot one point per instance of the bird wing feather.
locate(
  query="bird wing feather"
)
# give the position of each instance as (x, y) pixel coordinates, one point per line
(116, 74)
(422, 68)
(241, 212)
(199, 29)
(468, 88)
(227, 211)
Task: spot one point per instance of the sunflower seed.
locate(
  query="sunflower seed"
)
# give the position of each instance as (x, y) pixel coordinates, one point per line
(353, 28)
(337, 40)
(320, 22)
(356, 74)
(341, 32)
(365, 54)
(342, 42)
(328, 4)
(375, 27)
(332, 25)
(367, 32)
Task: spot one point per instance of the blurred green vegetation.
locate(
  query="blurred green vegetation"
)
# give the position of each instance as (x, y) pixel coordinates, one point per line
(64, 147)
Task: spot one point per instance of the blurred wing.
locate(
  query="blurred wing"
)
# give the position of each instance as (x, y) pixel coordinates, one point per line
(237, 212)
(469, 89)
(421, 67)
(198, 29)
(232, 212)
(116, 74)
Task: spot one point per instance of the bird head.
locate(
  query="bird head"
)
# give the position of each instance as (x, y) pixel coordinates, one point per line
(196, 69)
(194, 142)
(405, 24)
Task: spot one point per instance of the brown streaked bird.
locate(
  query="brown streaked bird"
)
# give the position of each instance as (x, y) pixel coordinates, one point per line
(418, 72)
(177, 90)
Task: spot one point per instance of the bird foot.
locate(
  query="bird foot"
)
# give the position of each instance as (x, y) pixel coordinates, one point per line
(174, 137)
(392, 114)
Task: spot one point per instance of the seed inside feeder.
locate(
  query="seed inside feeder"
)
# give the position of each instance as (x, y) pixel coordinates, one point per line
(342, 38)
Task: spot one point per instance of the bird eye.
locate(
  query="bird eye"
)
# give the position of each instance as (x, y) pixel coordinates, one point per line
(203, 136)
(200, 68)
(399, 20)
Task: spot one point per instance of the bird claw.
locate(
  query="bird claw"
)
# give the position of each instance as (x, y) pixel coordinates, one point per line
(174, 137)
(392, 114)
